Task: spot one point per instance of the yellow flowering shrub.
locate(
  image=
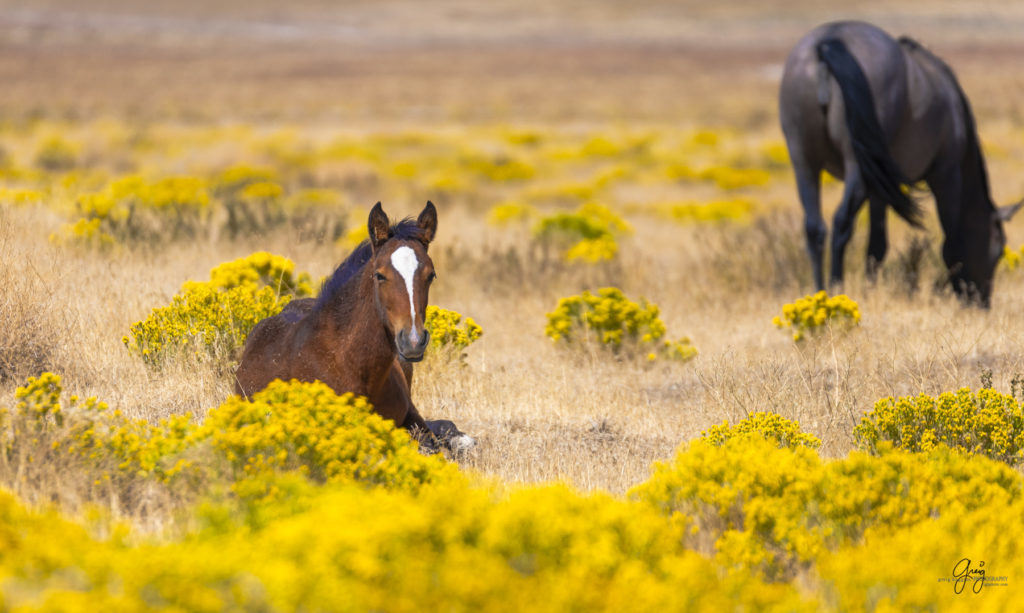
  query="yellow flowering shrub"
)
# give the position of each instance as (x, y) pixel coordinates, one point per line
(775, 154)
(930, 566)
(251, 446)
(507, 213)
(815, 313)
(726, 178)
(259, 269)
(593, 250)
(351, 239)
(213, 318)
(497, 169)
(56, 155)
(306, 427)
(87, 233)
(38, 406)
(134, 209)
(985, 422)
(100, 454)
(735, 209)
(779, 527)
(588, 234)
(729, 178)
(776, 510)
(1012, 257)
(203, 320)
(237, 178)
(121, 449)
(252, 197)
(313, 213)
(545, 548)
(21, 196)
(449, 332)
(615, 322)
(769, 425)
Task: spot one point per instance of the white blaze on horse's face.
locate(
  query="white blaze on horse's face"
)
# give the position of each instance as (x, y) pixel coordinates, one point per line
(406, 263)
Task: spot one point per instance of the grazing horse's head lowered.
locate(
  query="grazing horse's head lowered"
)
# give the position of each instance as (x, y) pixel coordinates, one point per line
(402, 274)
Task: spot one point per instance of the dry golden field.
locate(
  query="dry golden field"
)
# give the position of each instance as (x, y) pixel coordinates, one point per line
(200, 87)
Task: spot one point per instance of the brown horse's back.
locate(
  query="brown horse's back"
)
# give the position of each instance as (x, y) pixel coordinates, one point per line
(266, 355)
(286, 346)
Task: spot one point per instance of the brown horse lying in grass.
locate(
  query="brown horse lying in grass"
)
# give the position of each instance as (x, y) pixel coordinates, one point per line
(364, 330)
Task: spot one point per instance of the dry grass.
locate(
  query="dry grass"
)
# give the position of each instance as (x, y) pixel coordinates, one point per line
(540, 413)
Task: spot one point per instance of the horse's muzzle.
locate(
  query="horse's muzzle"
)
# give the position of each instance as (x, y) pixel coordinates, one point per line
(411, 352)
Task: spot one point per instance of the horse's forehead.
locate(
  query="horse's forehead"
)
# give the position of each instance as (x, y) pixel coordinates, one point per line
(405, 261)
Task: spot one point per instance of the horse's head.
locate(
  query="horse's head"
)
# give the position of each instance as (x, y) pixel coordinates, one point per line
(984, 245)
(402, 274)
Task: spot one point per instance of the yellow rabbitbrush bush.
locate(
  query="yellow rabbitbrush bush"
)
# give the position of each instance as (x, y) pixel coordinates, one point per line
(306, 427)
(987, 423)
(777, 510)
(333, 510)
(587, 235)
(615, 322)
(1012, 257)
(137, 210)
(203, 322)
(213, 318)
(450, 333)
(768, 425)
(735, 209)
(260, 269)
(83, 451)
(298, 429)
(510, 212)
(813, 314)
(538, 548)
(928, 567)
(545, 548)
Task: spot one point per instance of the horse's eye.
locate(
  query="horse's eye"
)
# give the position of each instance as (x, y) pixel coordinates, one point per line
(379, 277)
(431, 277)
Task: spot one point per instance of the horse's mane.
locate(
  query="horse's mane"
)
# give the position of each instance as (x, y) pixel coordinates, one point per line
(974, 161)
(406, 229)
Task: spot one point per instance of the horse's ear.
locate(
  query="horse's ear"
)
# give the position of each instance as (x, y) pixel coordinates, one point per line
(1004, 213)
(377, 226)
(427, 222)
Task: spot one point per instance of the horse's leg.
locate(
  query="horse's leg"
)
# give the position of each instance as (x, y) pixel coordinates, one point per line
(854, 194)
(395, 402)
(878, 242)
(406, 370)
(808, 185)
(946, 184)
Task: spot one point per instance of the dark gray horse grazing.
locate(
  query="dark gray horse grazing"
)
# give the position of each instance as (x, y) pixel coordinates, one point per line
(881, 115)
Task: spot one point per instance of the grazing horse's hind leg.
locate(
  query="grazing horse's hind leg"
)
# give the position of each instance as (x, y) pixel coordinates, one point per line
(878, 241)
(854, 194)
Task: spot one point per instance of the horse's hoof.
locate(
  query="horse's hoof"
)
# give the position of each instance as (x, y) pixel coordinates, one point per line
(461, 444)
(428, 449)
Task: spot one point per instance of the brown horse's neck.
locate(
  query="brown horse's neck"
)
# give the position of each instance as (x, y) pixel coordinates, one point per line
(362, 346)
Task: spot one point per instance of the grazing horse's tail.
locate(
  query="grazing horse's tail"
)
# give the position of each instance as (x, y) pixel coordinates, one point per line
(882, 176)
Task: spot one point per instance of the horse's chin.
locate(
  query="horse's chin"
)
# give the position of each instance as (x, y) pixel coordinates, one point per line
(411, 359)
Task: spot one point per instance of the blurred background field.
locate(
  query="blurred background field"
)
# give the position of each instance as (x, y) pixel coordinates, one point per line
(141, 146)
